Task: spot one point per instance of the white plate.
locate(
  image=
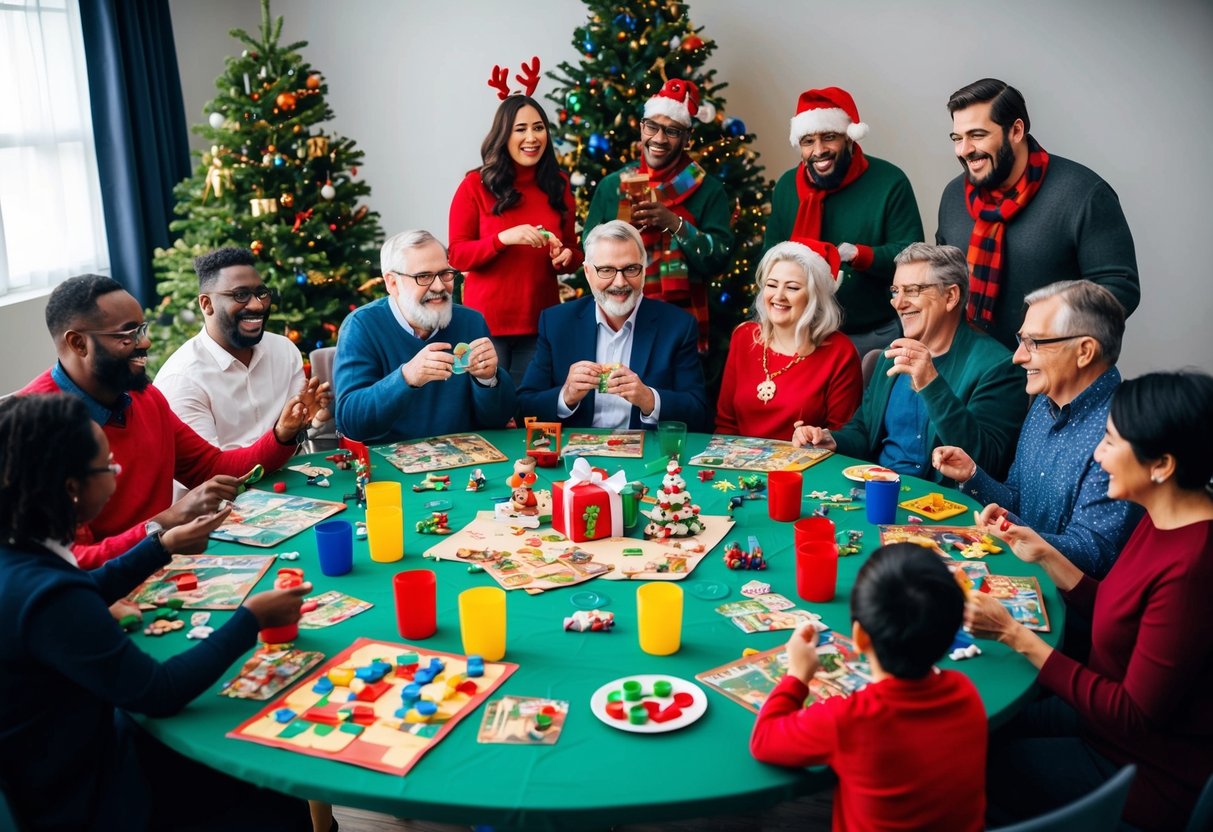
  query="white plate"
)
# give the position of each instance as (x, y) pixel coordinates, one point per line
(863, 473)
(699, 706)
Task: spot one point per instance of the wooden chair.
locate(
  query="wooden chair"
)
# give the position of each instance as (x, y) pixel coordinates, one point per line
(1097, 812)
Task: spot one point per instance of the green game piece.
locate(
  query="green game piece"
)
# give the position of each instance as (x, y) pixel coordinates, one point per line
(543, 721)
(638, 715)
(294, 728)
(351, 728)
(407, 659)
(174, 603)
(614, 696)
(632, 691)
(662, 688)
(632, 551)
(166, 615)
(322, 729)
(129, 623)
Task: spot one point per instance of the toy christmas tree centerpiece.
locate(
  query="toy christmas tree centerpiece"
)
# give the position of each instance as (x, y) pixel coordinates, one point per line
(675, 514)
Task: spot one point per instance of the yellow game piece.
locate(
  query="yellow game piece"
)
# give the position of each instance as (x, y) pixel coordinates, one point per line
(341, 676)
(411, 715)
(990, 545)
(749, 651)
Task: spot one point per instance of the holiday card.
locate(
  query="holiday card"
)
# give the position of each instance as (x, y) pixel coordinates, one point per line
(438, 453)
(523, 720)
(203, 582)
(754, 616)
(621, 443)
(332, 607)
(269, 671)
(264, 518)
(748, 453)
(1022, 598)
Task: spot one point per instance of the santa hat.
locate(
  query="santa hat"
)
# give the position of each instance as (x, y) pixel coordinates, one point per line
(829, 110)
(678, 100)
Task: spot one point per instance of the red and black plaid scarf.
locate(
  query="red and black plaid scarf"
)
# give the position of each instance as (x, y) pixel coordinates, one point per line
(991, 210)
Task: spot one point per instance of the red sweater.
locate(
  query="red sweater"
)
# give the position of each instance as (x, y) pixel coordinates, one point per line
(909, 754)
(823, 390)
(1146, 694)
(154, 447)
(509, 285)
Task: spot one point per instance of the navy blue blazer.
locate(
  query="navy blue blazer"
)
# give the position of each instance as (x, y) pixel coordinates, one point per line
(664, 355)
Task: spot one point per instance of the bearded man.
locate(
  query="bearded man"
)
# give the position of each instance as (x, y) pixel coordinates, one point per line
(415, 363)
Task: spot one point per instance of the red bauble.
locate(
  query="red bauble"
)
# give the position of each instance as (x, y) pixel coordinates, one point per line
(313, 82)
(286, 101)
(691, 43)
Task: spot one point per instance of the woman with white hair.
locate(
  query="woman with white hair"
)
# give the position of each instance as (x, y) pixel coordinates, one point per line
(790, 363)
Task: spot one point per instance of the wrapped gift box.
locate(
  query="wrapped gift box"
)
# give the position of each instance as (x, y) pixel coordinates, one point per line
(587, 492)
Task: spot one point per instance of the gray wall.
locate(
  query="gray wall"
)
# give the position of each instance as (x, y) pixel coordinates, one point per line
(1118, 85)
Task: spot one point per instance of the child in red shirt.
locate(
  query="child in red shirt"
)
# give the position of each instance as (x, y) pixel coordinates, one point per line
(910, 748)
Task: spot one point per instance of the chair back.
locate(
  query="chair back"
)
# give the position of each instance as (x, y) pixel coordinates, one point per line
(1096, 812)
(867, 365)
(324, 437)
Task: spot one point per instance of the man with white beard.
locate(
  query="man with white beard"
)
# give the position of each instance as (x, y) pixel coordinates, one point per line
(616, 359)
(397, 374)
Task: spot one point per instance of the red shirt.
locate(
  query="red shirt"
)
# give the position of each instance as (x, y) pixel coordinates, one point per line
(824, 389)
(509, 285)
(909, 754)
(154, 447)
(1145, 695)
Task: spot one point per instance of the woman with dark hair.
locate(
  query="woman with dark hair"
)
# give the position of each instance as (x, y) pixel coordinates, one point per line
(73, 759)
(512, 230)
(1143, 697)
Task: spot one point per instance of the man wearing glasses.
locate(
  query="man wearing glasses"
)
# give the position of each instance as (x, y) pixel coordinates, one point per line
(101, 340)
(682, 213)
(231, 380)
(942, 383)
(416, 363)
(616, 359)
(861, 206)
(1069, 343)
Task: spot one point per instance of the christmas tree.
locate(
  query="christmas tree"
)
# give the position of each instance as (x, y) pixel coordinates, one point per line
(275, 183)
(629, 50)
(675, 515)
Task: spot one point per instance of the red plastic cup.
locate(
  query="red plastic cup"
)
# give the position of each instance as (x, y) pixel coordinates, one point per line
(416, 603)
(783, 495)
(817, 570)
(813, 528)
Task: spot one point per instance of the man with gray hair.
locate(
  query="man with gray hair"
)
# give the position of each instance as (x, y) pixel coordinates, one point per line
(616, 359)
(1069, 343)
(942, 383)
(415, 363)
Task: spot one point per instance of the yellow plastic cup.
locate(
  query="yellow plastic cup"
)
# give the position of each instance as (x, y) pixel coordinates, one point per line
(385, 531)
(482, 622)
(659, 615)
(383, 493)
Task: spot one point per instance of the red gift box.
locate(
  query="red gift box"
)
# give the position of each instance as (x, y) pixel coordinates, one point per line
(588, 488)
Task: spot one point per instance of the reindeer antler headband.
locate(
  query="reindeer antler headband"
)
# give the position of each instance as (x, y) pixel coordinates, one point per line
(529, 78)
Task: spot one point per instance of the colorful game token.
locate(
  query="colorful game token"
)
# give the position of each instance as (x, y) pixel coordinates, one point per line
(460, 352)
(683, 704)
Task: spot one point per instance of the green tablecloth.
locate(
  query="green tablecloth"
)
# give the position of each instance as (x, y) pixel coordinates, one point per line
(594, 775)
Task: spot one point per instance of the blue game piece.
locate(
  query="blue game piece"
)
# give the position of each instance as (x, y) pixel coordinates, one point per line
(410, 694)
(284, 715)
(323, 685)
(351, 697)
(436, 665)
(426, 708)
(475, 667)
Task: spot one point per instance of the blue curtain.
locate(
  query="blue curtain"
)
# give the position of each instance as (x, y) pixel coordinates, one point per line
(140, 129)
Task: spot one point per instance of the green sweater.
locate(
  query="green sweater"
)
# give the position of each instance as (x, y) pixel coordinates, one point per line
(977, 403)
(877, 210)
(707, 242)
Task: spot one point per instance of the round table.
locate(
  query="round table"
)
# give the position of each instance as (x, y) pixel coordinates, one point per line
(594, 775)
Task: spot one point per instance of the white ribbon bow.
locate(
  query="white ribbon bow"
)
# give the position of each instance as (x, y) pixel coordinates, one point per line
(583, 474)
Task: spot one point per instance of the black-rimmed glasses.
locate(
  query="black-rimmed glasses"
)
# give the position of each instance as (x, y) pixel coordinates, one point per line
(910, 290)
(630, 271)
(1031, 344)
(426, 278)
(243, 295)
(652, 128)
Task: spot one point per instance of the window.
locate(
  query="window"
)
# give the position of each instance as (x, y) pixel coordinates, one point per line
(51, 222)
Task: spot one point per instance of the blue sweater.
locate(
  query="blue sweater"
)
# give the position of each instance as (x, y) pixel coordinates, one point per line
(376, 404)
(67, 666)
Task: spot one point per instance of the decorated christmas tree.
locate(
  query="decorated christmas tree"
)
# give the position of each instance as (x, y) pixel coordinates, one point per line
(275, 183)
(674, 515)
(629, 49)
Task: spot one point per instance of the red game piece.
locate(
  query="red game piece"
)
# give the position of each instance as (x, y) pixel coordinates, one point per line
(652, 707)
(406, 671)
(671, 712)
(683, 700)
(373, 691)
(362, 715)
(185, 581)
(280, 487)
(469, 687)
(704, 476)
(615, 710)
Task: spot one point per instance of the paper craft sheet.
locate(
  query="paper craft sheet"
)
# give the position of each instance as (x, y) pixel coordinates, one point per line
(224, 581)
(625, 443)
(748, 453)
(542, 559)
(381, 740)
(264, 518)
(441, 452)
(1021, 596)
(749, 680)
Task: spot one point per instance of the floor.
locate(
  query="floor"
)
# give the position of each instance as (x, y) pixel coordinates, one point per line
(807, 814)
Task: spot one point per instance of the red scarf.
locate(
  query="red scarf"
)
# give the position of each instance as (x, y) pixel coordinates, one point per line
(991, 210)
(812, 198)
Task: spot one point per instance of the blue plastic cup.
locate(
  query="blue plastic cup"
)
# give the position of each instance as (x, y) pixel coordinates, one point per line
(335, 545)
(881, 499)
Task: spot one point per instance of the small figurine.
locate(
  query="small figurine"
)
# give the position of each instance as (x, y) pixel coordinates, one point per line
(476, 480)
(854, 543)
(707, 474)
(819, 495)
(343, 459)
(753, 483)
(433, 482)
(590, 621)
(436, 523)
(724, 486)
(522, 481)
(736, 558)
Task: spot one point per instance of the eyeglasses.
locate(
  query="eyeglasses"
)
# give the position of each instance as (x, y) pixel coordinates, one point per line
(114, 468)
(128, 336)
(243, 295)
(630, 271)
(910, 290)
(1032, 344)
(652, 128)
(426, 278)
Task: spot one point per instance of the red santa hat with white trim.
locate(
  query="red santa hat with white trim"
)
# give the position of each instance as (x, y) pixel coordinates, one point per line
(828, 110)
(678, 100)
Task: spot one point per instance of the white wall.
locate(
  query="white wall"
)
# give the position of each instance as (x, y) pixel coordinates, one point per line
(1118, 85)
(27, 349)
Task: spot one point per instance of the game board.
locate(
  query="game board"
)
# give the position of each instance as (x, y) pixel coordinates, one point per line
(441, 452)
(263, 518)
(374, 731)
(332, 607)
(523, 720)
(269, 671)
(944, 541)
(934, 506)
(748, 453)
(625, 443)
(223, 581)
(1022, 598)
(749, 680)
(542, 559)
(754, 616)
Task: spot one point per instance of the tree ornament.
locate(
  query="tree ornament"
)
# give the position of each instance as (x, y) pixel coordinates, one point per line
(294, 335)
(286, 200)
(313, 82)
(279, 160)
(577, 179)
(328, 192)
(675, 42)
(215, 120)
(256, 96)
(707, 112)
(317, 146)
(624, 20)
(598, 145)
(575, 101)
(297, 129)
(691, 42)
(286, 101)
(263, 207)
(256, 247)
(734, 127)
